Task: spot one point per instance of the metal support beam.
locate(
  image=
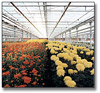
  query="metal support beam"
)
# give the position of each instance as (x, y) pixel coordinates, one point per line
(65, 37)
(78, 25)
(26, 17)
(22, 36)
(70, 39)
(77, 34)
(5, 38)
(30, 35)
(14, 33)
(60, 18)
(45, 16)
(27, 35)
(90, 33)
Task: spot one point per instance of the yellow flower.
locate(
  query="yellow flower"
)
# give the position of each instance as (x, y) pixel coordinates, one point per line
(66, 78)
(88, 64)
(60, 72)
(75, 71)
(70, 71)
(59, 68)
(60, 55)
(92, 71)
(58, 62)
(70, 83)
(92, 58)
(38, 40)
(54, 58)
(80, 67)
(53, 51)
(88, 53)
(79, 61)
(69, 58)
(64, 65)
(73, 62)
(84, 60)
(81, 52)
(91, 52)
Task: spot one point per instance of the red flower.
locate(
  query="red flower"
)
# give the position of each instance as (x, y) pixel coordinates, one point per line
(26, 62)
(22, 86)
(17, 75)
(12, 81)
(26, 79)
(34, 71)
(29, 57)
(16, 68)
(43, 83)
(39, 75)
(24, 73)
(22, 67)
(3, 69)
(6, 73)
(21, 58)
(6, 86)
(11, 67)
(3, 62)
(39, 60)
(14, 60)
(34, 83)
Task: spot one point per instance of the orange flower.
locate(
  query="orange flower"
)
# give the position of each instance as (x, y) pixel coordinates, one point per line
(14, 60)
(6, 86)
(43, 83)
(12, 81)
(39, 75)
(26, 79)
(3, 69)
(39, 60)
(16, 68)
(15, 86)
(11, 67)
(24, 55)
(3, 62)
(21, 86)
(22, 67)
(34, 71)
(21, 58)
(6, 73)
(34, 83)
(24, 73)
(17, 75)
(26, 62)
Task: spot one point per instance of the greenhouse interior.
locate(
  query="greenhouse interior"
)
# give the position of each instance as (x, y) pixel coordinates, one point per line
(48, 44)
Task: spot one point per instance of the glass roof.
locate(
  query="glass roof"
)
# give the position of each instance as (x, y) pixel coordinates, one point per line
(45, 15)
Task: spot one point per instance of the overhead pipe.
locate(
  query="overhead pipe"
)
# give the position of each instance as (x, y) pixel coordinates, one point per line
(26, 17)
(60, 18)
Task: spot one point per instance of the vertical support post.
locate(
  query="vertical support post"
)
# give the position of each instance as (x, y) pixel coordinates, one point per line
(22, 36)
(14, 33)
(87, 37)
(30, 35)
(62, 37)
(65, 36)
(27, 36)
(5, 38)
(90, 33)
(77, 34)
(69, 36)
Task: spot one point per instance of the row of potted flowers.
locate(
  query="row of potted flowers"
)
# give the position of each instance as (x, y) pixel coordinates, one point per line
(71, 66)
(23, 64)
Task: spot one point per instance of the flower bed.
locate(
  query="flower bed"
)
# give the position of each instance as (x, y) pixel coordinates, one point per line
(42, 63)
(23, 64)
(71, 66)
